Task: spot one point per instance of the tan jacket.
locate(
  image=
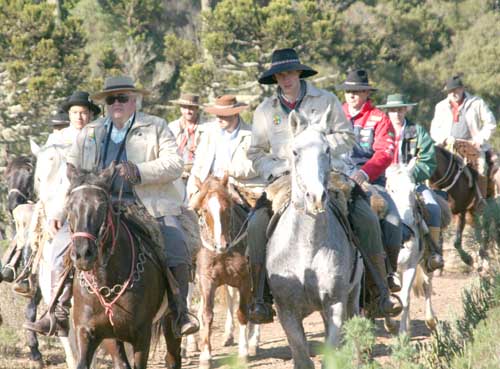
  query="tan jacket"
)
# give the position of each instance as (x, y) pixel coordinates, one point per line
(177, 130)
(271, 134)
(151, 146)
(477, 115)
(241, 170)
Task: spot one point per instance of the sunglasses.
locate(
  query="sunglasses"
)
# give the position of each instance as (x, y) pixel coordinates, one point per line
(110, 100)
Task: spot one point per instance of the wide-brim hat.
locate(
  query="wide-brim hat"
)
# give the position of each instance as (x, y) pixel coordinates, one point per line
(114, 85)
(225, 106)
(396, 101)
(59, 118)
(453, 83)
(187, 100)
(284, 60)
(80, 98)
(357, 80)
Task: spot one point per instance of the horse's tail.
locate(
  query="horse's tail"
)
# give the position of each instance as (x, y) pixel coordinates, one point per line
(421, 280)
(156, 333)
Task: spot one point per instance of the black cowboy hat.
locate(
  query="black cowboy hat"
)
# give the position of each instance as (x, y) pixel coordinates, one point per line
(453, 82)
(80, 98)
(284, 60)
(59, 118)
(357, 80)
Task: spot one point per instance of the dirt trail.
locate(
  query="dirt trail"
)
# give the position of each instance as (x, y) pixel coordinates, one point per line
(274, 352)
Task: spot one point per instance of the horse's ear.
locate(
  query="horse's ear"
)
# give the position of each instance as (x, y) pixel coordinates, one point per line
(35, 149)
(108, 173)
(71, 172)
(195, 201)
(297, 122)
(325, 118)
(225, 179)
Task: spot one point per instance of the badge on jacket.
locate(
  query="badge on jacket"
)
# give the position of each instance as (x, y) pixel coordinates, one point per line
(92, 133)
(277, 120)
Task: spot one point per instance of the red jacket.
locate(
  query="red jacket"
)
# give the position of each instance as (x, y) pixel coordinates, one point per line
(375, 137)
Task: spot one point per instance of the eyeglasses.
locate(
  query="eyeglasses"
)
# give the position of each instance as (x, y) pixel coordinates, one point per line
(110, 100)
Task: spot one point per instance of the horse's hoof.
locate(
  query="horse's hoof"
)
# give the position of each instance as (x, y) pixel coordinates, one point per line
(391, 326)
(228, 341)
(252, 350)
(431, 323)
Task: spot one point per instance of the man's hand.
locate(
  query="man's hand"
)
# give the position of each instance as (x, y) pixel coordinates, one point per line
(54, 226)
(450, 143)
(359, 177)
(129, 171)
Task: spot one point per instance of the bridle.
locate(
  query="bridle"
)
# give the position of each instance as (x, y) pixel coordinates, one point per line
(88, 279)
(448, 174)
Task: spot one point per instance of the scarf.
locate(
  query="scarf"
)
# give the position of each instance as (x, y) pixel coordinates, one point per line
(188, 134)
(455, 110)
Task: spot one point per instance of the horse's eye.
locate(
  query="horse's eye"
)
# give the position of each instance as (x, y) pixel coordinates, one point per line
(295, 153)
(327, 150)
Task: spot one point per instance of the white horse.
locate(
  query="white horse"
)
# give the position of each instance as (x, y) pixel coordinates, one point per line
(51, 184)
(401, 187)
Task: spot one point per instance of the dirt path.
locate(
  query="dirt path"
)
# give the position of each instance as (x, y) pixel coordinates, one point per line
(274, 352)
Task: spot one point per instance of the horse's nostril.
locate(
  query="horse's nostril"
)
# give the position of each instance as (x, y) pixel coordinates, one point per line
(323, 197)
(308, 195)
(88, 253)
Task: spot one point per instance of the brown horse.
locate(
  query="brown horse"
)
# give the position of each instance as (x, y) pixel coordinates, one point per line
(20, 181)
(460, 181)
(222, 260)
(118, 287)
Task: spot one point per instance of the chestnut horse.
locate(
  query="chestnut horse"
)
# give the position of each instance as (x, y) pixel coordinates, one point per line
(222, 261)
(119, 289)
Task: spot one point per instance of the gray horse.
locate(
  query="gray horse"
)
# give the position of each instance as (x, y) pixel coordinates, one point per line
(310, 259)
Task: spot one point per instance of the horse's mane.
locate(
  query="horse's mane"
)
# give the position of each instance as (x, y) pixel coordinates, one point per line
(213, 185)
(18, 162)
(82, 177)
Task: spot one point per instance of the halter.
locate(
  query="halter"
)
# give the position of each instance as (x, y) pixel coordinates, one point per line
(448, 174)
(89, 278)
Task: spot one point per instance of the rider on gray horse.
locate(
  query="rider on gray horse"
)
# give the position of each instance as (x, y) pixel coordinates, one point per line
(148, 174)
(270, 151)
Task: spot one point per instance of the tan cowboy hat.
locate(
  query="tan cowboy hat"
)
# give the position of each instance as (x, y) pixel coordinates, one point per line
(187, 100)
(113, 85)
(225, 106)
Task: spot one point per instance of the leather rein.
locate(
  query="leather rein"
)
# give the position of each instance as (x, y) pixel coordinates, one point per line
(89, 277)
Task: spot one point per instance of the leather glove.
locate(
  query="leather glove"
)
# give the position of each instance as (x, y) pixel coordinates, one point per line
(129, 171)
(359, 177)
(450, 143)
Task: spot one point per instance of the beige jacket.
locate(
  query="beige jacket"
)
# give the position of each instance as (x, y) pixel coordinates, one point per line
(151, 146)
(477, 115)
(177, 130)
(241, 170)
(271, 134)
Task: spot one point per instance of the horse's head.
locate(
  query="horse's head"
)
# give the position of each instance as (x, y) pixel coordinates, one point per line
(50, 171)
(401, 186)
(310, 162)
(88, 207)
(19, 175)
(213, 203)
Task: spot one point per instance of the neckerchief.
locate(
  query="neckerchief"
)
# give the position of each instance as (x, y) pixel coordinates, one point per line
(289, 106)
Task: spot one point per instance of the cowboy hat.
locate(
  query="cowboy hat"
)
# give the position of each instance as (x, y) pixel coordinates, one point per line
(357, 80)
(59, 118)
(225, 106)
(80, 98)
(187, 100)
(396, 101)
(113, 85)
(453, 82)
(284, 60)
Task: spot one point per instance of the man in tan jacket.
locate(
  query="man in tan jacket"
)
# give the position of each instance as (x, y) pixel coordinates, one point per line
(271, 152)
(223, 147)
(149, 170)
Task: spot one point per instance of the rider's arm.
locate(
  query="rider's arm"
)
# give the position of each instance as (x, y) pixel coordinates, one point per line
(241, 166)
(342, 137)
(439, 131)
(426, 156)
(486, 123)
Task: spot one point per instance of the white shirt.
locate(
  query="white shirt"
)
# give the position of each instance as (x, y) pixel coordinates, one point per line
(226, 144)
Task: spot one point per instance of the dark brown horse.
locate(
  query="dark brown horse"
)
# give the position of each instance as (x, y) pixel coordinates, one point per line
(461, 182)
(118, 287)
(20, 184)
(222, 260)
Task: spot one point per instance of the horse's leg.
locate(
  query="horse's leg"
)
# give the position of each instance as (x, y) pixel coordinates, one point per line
(30, 315)
(141, 348)
(118, 354)
(86, 346)
(173, 357)
(208, 288)
(189, 344)
(335, 315)
(459, 230)
(248, 342)
(405, 295)
(230, 296)
(253, 338)
(430, 317)
(296, 337)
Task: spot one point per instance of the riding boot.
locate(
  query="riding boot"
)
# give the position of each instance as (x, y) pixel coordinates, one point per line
(178, 283)
(261, 312)
(61, 310)
(435, 259)
(377, 285)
